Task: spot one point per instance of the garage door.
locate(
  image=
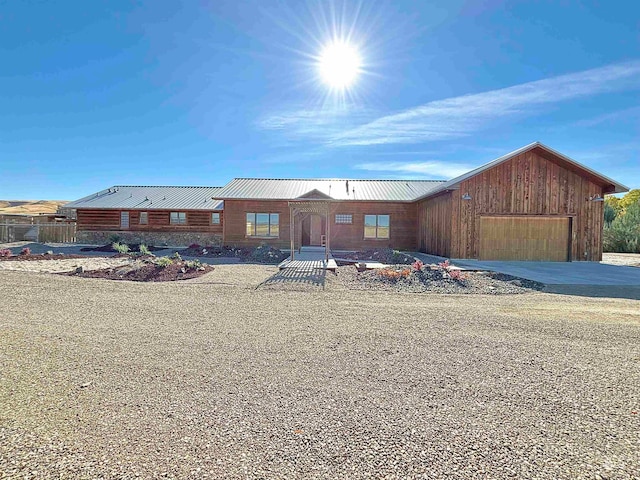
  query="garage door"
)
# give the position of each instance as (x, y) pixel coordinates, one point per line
(524, 238)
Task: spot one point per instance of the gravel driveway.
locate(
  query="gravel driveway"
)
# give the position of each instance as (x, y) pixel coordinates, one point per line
(214, 379)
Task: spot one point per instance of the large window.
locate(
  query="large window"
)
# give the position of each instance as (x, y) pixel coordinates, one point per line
(376, 226)
(263, 224)
(144, 218)
(215, 218)
(178, 218)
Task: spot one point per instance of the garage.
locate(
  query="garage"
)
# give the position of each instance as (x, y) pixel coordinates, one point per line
(528, 238)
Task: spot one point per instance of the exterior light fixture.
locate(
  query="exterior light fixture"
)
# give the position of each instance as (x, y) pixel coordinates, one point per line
(596, 198)
(466, 196)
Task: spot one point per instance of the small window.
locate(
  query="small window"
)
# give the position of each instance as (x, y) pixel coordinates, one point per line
(263, 224)
(215, 218)
(124, 219)
(344, 218)
(144, 218)
(376, 226)
(178, 218)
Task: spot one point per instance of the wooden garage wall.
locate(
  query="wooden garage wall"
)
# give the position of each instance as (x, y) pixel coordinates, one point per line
(529, 184)
(343, 237)
(434, 225)
(197, 221)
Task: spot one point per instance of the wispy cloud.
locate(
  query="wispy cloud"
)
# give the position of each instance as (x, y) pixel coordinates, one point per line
(610, 117)
(452, 117)
(459, 116)
(430, 169)
(320, 124)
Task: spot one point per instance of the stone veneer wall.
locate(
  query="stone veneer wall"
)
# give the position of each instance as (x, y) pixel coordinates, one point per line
(174, 239)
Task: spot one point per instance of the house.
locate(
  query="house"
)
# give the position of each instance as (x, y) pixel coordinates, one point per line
(531, 204)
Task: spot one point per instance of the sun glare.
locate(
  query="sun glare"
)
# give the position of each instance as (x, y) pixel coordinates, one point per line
(339, 65)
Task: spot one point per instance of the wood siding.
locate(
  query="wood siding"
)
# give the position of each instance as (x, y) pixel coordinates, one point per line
(158, 221)
(434, 225)
(528, 184)
(343, 236)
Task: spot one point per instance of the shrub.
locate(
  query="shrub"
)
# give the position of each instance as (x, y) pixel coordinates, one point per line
(457, 275)
(176, 256)
(25, 251)
(394, 274)
(114, 238)
(163, 262)
(417, 265)
(144, 250)
(120, 247)
(444, 265)
(623, 236)
(5, 252)
(193, 264)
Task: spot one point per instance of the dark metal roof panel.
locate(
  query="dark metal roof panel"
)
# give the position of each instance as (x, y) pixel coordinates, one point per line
(337, 189)
(151, 198)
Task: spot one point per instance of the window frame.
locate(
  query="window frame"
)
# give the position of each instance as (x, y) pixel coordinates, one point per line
(125, 214)
(180, 215)
(146, 218)
(378, 226)
(218, 220)
(273, 227)
(343, 216)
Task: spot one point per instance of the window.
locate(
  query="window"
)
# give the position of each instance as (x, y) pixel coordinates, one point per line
(144, 218)
(178, 218)
(263, 224)
(376, 226)
(344, 218)
(215, 218)
(124, 219)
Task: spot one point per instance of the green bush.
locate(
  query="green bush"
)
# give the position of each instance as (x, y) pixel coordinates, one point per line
(114, 238)
(176, 256)
(120, 247)
(144, 250)
(163, 262)
(623, 235)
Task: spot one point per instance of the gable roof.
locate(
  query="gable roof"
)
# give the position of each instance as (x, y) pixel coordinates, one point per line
(336, 189)
(610, 186)
(152, 198)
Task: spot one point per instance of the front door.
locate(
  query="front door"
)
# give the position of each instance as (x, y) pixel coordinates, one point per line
(312, 230)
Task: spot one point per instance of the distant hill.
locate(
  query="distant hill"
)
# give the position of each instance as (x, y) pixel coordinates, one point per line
(30, 207)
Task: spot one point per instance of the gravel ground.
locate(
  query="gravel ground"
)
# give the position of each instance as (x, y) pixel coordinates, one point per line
(212, 378)
(431, 281)
(632, 259)
(65, 265)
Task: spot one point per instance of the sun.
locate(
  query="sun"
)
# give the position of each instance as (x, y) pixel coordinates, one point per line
(339, 65)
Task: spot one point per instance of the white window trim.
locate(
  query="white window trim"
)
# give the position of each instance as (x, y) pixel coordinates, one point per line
(179, 222)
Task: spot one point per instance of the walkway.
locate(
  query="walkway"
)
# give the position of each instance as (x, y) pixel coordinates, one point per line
(309, 259)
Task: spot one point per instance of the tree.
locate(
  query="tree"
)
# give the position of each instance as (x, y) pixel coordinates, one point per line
(614, 203)
(631, 197)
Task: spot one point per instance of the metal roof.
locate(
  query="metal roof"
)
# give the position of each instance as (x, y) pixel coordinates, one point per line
(453, 183)
(152, 198)
(337, 189)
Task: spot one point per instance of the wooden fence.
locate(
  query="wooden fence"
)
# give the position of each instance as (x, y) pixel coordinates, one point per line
(61, 232)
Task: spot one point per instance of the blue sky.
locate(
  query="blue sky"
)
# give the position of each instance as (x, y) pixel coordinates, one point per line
(95, 94)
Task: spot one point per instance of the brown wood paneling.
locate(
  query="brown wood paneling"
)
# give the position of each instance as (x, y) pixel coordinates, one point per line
(402, 217)
(435, 217)
(534, 237)
(158, 221)
(528, 184)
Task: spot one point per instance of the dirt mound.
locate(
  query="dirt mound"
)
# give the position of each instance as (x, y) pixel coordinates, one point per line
(149, 271)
